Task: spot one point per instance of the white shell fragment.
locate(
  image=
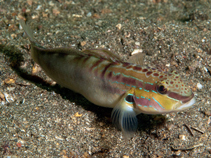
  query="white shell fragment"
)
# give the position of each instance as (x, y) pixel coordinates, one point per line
(9, 98)
(136, 51)
(199, 86)
(119, 26)
(168, 65)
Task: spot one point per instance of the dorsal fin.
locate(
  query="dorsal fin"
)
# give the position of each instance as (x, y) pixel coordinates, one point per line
(137, 59)
(103, 53)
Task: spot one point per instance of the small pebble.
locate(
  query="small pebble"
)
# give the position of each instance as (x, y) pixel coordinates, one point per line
(182, 137)
(137, 43)
(178, 153)
(170, 127)
(89, 14)
(83, 43)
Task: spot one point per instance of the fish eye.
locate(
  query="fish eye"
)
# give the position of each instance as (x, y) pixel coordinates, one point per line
(161, 89)
(129, 98)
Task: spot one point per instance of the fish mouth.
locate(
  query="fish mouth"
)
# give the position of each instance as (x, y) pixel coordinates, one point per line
(185, 101)
(187, 104)
(180, 97)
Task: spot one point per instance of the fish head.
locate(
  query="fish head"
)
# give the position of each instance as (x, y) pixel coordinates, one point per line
(166, 95)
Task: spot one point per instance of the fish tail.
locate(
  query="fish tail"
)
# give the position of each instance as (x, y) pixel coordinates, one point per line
(36, 48)
(28, 31)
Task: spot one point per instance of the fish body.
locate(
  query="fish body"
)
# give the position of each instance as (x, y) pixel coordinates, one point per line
(105, 80)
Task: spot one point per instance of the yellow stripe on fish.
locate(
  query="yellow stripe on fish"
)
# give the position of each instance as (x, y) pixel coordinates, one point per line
(105, 80)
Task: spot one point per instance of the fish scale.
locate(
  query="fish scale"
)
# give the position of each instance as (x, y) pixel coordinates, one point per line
(106, 80)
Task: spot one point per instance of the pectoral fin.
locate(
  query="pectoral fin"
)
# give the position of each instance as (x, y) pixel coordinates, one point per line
(124, 116)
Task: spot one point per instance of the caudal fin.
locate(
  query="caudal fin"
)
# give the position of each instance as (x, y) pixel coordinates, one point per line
(27, 30)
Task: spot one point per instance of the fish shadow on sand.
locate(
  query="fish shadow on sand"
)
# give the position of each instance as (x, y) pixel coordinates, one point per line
(15, 58)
